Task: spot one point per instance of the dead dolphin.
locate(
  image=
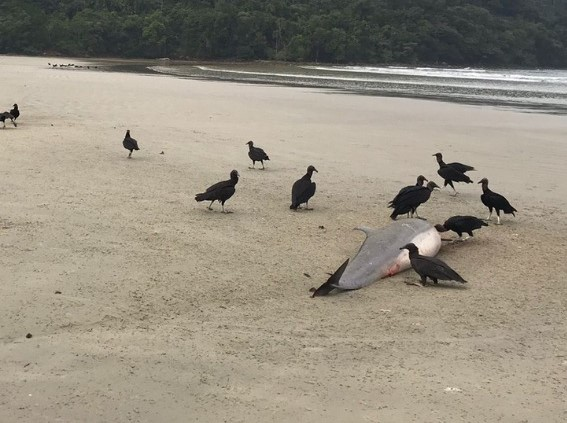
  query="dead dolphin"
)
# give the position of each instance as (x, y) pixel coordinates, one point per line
(380, 255)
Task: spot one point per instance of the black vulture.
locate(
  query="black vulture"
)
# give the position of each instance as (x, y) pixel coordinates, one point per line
(221, 191)
(460, 224)
(256, 154)
(463, 168)
(303, 189)
(409, 201)
(493, 200)
(419, 183)
(430, 267)
(7, 115)
(130, 143)
(15, 112)
(450, 175)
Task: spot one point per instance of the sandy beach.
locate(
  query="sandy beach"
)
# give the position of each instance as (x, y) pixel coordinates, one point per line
(168, 312)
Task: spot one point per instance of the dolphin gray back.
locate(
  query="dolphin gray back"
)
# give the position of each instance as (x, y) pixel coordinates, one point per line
(380, 256)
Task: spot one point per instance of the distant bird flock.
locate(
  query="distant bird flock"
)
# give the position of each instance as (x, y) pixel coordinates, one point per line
(70, 66)
(406, 201)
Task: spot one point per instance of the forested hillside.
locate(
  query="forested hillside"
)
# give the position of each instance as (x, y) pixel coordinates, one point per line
(525, 33)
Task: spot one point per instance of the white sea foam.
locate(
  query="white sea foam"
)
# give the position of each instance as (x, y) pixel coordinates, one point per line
(534, 76)
(481, 83)
(530, 88)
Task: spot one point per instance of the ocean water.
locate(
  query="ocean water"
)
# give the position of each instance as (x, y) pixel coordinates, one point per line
(536, 90)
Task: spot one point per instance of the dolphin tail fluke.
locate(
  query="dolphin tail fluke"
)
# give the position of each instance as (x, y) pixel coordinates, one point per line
(331, 283)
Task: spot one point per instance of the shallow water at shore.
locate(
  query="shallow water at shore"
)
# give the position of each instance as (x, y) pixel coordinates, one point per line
(541, 91)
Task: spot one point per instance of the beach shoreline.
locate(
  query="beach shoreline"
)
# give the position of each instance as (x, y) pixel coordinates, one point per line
(170, 312)
(530, 91)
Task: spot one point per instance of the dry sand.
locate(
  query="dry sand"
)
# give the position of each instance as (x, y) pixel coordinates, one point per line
(172, 313)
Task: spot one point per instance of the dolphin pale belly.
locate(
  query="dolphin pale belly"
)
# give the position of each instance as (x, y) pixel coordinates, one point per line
(380, 256)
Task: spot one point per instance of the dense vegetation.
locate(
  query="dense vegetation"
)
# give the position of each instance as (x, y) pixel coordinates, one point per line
(529, 33)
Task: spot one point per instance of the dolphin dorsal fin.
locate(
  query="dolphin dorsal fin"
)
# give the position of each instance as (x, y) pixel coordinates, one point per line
(366, 229)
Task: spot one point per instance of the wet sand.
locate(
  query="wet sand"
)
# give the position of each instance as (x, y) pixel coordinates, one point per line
(170, 312)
